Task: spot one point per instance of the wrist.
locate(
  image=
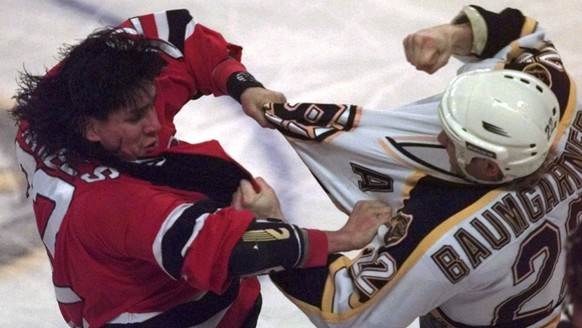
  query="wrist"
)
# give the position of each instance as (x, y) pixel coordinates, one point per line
(462, 39)
(470, 18)
(238, 82)
(339, 241)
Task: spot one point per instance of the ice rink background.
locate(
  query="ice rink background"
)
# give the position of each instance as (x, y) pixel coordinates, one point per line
(317, 51)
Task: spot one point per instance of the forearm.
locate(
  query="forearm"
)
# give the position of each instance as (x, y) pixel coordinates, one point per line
(206, 60)
(273, 245)
(238, 82)
(339, 241)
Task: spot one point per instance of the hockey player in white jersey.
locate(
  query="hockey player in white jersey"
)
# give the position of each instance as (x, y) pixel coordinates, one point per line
(486, 178)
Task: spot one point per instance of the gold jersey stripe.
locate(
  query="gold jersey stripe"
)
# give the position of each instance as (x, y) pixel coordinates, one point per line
(266, 235)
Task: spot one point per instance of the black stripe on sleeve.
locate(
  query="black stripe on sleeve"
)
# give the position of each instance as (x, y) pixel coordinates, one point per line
(177, 22)
(178, 235)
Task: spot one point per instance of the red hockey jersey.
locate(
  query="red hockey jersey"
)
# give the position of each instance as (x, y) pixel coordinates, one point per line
(112, 237)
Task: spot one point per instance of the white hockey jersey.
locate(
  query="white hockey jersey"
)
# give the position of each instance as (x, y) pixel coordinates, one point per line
(470, 255)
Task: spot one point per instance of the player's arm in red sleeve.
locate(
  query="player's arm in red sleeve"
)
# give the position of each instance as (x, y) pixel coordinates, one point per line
(208, 245)
(272, 244)
(203, 61)
(205, 56)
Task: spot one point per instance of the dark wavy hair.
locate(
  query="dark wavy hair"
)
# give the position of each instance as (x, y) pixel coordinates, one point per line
(102, 74)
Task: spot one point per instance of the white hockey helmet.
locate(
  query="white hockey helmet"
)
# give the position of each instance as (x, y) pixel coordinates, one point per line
(506, 116)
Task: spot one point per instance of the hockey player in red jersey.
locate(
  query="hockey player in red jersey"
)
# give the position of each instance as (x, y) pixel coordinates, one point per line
(485, 178)
(138, 225)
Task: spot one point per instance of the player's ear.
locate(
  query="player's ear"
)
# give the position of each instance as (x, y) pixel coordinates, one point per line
(484, 169)
(492, 170)
(90, 130)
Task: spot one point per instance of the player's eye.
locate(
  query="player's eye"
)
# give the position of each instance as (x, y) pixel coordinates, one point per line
(137, 115)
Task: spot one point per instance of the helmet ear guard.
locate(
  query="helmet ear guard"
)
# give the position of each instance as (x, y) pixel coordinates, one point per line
(506, 116)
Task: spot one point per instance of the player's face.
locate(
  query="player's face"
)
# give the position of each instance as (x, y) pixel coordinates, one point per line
(131, 132)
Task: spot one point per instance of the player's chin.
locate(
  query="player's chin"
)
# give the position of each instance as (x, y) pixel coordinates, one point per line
(148, 152)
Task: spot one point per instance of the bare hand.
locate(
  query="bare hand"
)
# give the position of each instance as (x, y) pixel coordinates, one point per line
(253, 99)
(264, 203)
(361, 228)
(430, 49)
